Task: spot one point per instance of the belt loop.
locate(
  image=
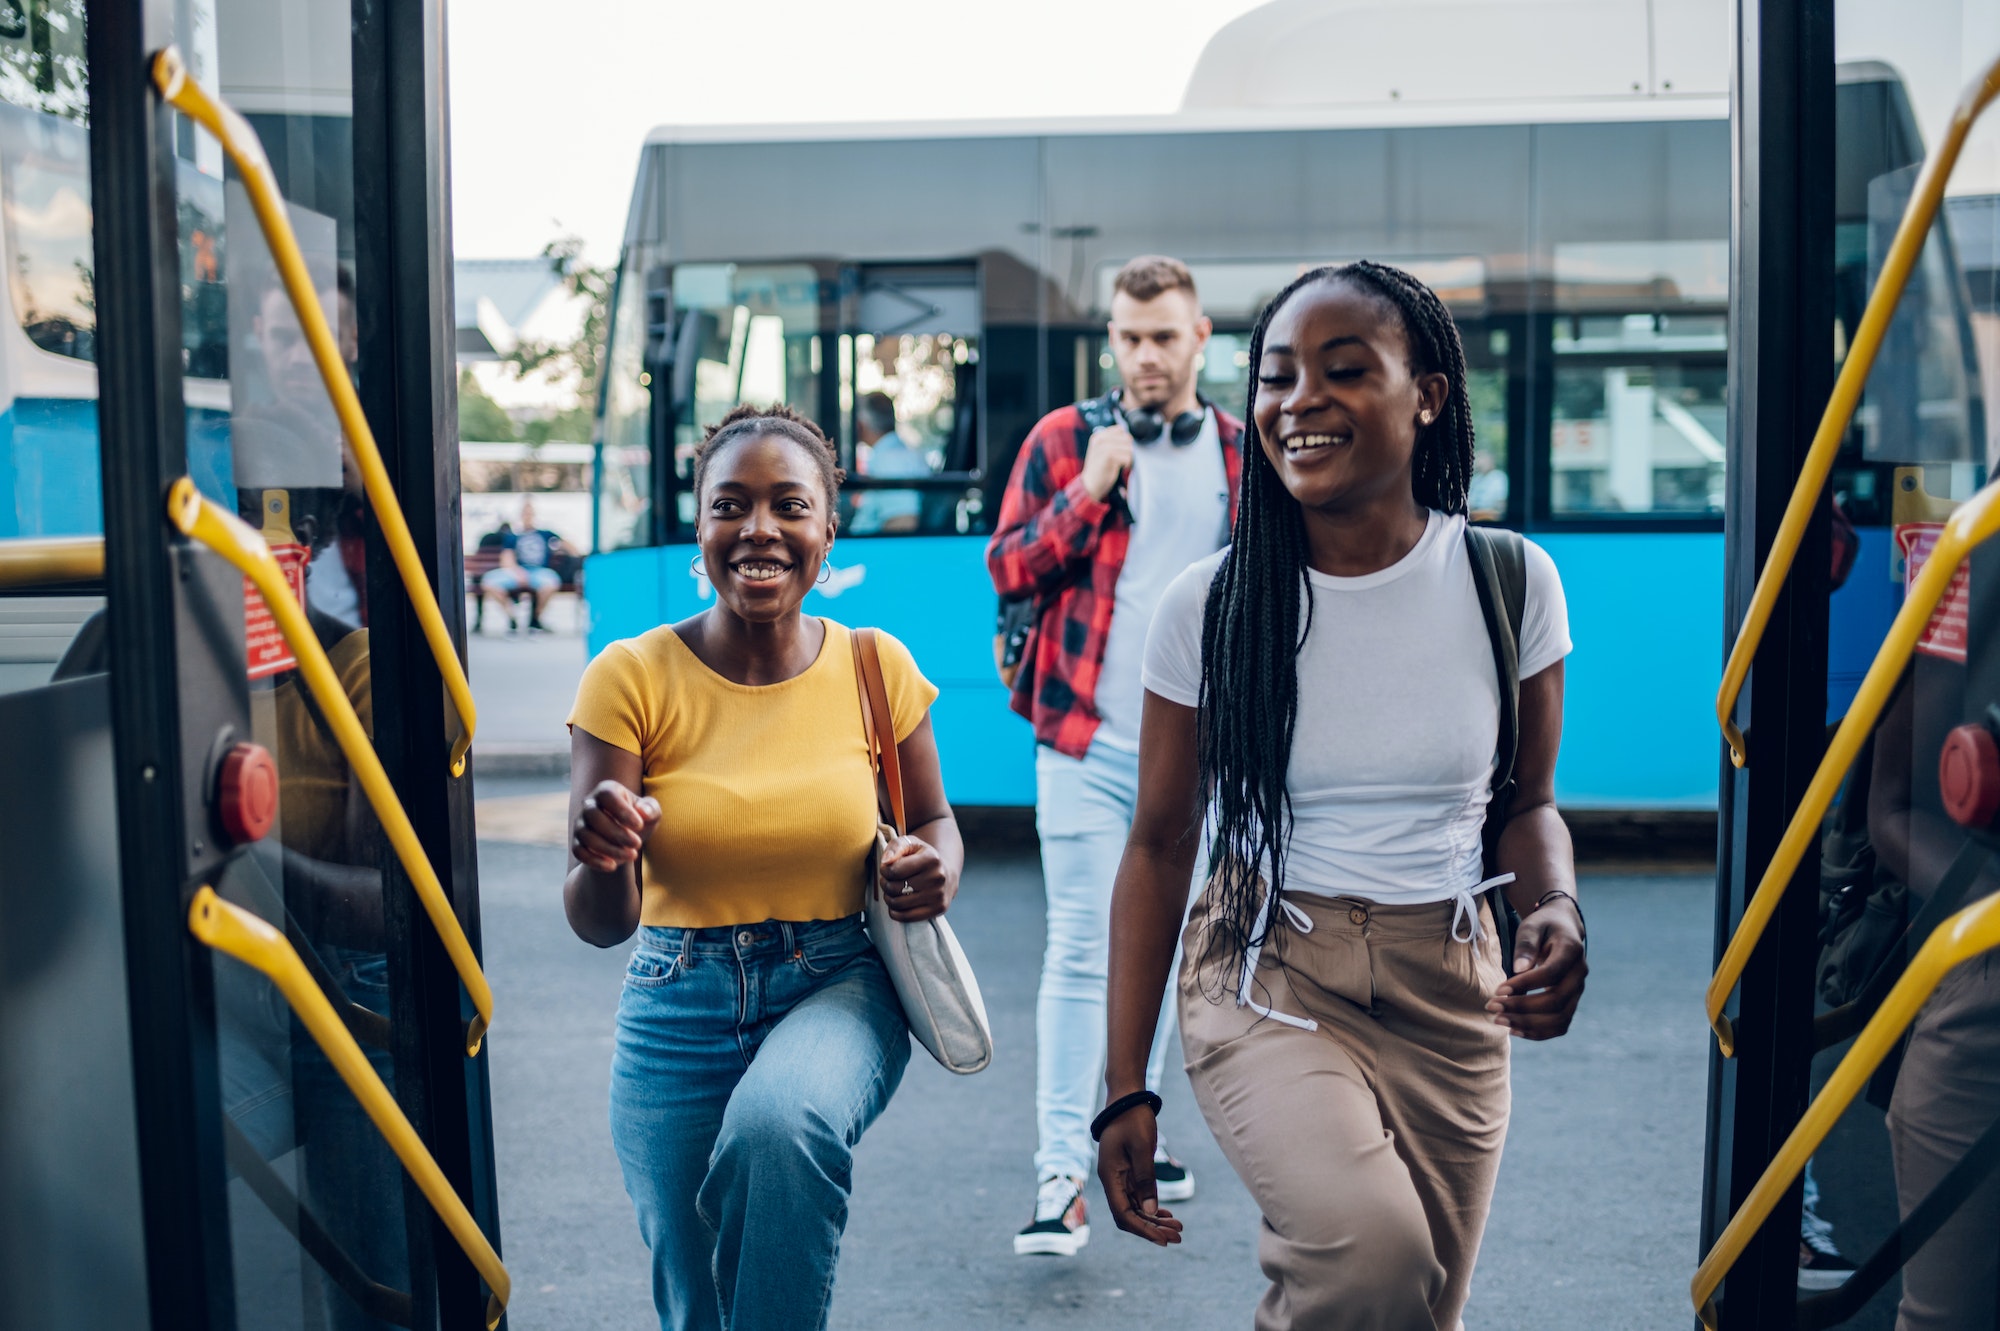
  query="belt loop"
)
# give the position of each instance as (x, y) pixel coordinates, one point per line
(788, 938)
(687, 949)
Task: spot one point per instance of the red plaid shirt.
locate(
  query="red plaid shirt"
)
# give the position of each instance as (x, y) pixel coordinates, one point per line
(1050, 528)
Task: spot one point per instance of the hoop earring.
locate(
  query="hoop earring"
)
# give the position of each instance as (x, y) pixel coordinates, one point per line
(695, 569)
(825, 574)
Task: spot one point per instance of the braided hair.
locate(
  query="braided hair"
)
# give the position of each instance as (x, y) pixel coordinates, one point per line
(1252, 627)
(748, 422)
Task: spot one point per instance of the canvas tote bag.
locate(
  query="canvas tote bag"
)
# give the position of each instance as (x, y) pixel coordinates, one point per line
(932, 977)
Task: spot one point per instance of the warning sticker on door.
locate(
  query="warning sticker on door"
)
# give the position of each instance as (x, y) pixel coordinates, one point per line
(269, 654)
(1947, 634)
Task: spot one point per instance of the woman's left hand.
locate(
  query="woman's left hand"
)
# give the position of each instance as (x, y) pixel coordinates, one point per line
(1539, 1000)
(915, 878)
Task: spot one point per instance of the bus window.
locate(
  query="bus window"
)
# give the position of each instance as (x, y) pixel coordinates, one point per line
(625, 472)
(909, 398)
(1636, 436)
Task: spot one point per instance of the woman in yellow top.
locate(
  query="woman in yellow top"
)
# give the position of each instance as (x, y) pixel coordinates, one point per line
(723, 804)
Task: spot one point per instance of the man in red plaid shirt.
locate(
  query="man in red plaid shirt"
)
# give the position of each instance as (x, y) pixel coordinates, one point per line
(1109, 501)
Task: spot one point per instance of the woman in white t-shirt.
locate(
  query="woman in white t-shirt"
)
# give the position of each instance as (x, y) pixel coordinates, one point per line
(1329, 682)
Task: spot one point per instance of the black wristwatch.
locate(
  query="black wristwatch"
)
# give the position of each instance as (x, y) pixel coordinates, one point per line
(1118, 1108)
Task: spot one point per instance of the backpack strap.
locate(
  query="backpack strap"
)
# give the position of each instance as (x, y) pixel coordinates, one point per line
(1500, 577)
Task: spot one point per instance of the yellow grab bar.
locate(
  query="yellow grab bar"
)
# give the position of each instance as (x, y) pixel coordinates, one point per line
(1976, 520)
(204, 520)
(241, 143)
(255, 943)
(1896, 268)
(1973, 930)
(32, 561)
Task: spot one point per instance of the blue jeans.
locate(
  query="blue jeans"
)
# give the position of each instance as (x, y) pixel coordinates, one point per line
(1083, 813)
(750, 1060)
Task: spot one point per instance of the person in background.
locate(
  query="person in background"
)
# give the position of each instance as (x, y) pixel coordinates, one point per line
(525, 554)
(1487, 495)
(1095, 525)
(885, 455)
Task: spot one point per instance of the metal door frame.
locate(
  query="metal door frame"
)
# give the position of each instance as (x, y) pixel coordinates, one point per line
(1780, 373)
(169, 693)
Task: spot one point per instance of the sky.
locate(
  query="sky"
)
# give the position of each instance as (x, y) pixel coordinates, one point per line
(550, 102)
(569, 90)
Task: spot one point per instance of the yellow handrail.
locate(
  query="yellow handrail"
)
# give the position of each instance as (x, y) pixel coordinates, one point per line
(1973, 930)
(252, 941)
(204, 520)
(33, 561)
(1976, 520)
(241, 143)
(1896, 268)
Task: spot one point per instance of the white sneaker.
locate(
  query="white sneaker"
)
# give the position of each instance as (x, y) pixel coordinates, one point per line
(1171, 1180)
(1060, 1228)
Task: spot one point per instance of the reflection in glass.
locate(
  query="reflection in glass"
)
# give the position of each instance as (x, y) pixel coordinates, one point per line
(1638, 438)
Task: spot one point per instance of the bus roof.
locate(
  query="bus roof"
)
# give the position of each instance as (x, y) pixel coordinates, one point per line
(1577, 110)
(1371, 64)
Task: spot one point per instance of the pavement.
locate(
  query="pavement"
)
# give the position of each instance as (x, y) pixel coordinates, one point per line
(524, 685)
(1594, 1225)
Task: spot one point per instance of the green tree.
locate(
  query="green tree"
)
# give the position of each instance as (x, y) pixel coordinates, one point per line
(582, 355)
(480, 418)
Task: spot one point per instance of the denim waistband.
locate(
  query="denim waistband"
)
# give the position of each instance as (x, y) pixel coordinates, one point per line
(777, 937)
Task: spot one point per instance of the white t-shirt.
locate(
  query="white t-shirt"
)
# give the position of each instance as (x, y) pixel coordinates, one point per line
(1179, 496)
(1399, 714)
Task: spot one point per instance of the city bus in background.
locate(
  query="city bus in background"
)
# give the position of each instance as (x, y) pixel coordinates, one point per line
(1574, 215)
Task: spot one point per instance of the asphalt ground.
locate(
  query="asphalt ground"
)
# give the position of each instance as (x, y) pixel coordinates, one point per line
(1594, 1226)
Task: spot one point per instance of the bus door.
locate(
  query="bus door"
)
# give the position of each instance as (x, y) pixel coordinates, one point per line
(1853, 1172)
(243, 1081)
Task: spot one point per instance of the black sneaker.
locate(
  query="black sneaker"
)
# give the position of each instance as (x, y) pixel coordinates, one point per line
(1821, 1265)
(1060, 1227)
(1171, 1180)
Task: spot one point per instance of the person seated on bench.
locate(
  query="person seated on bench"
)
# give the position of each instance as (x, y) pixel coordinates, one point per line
(525, 554)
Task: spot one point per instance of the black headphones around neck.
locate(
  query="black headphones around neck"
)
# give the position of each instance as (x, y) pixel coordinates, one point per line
(1149, 423)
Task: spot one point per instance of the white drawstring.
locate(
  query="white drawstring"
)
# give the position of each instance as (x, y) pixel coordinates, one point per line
(1465, 909)
(1465, 912)
(1303, 923)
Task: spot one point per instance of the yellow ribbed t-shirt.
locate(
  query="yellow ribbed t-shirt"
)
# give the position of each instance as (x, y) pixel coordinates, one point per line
(767, 795)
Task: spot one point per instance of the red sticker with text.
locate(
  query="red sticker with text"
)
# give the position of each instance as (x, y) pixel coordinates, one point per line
(1947, 635)
(269, 653)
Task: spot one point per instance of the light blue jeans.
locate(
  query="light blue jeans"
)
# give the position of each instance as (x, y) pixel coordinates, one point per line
(749, 1062)
(1083, 813)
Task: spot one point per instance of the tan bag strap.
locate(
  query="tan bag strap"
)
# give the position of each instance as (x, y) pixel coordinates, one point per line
(879, 724)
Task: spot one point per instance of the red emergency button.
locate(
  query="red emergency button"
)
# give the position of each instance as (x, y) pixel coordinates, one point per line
(1969, 775)
(246, 793)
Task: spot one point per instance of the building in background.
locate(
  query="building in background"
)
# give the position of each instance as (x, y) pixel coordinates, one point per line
(514, 427)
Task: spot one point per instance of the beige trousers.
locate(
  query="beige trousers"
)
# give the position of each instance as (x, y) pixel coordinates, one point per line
(1947, 1095)
(1370, 1143)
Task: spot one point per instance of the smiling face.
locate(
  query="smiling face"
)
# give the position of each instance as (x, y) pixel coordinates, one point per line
(1338, 408)
(766, 526)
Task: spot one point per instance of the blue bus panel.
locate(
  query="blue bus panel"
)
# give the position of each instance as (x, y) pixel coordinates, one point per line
(1639, 725)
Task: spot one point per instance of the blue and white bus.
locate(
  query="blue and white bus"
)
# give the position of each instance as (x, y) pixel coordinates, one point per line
(1580, 236)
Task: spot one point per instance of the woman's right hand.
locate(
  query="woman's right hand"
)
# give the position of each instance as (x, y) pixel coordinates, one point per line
(612, 826)
(1125, 1168)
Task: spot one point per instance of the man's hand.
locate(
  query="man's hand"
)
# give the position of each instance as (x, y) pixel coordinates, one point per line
(1110, 453)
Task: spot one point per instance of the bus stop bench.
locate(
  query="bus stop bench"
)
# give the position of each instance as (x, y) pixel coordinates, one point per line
(484, 560)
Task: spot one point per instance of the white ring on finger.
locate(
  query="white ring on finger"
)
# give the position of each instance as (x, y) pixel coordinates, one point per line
(907, 889)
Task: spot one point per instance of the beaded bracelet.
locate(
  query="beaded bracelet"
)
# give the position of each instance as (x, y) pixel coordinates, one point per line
(1581, 927)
